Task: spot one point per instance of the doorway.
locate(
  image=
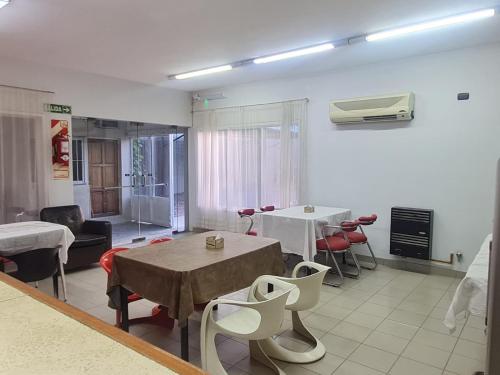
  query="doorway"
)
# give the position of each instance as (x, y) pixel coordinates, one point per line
(104, 177)
(131, 174)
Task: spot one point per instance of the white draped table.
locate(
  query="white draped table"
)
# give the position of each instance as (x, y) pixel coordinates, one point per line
(296, 230)
(470, 296)
(16, 238)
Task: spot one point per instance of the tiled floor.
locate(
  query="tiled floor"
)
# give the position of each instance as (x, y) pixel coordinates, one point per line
(387, 322)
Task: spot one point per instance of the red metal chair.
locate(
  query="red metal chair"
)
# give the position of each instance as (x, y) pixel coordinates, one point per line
(248, 213)
(106, 263)
(160, 240)
(337, 243)
(359, 238)
(267, 208)
(3, 262)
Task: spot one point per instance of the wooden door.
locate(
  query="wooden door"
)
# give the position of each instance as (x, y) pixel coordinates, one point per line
(104, 176)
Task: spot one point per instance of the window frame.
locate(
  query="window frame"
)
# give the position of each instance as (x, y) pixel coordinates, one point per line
(83, 179)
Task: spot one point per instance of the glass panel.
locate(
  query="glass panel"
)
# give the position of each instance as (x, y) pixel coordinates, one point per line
(178, 178)
(131, 174)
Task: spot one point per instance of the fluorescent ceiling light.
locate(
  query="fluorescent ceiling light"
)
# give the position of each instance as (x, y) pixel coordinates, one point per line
(295, 53)
(467, 17)
(4, 3)
(196, 73)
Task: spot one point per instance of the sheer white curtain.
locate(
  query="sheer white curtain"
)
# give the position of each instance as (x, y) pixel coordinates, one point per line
(247, 157)
(24, 154)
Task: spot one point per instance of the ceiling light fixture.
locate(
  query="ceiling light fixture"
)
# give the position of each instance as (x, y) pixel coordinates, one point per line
(4, 3)
(196, 73)
(462, 18)
(294, 53)
(439, 23)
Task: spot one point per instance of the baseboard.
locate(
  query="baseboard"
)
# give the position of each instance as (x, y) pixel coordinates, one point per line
(412, 265)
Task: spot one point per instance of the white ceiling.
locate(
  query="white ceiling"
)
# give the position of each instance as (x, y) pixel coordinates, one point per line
(147, 40)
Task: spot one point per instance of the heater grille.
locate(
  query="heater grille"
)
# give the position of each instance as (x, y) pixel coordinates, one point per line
(411, 232)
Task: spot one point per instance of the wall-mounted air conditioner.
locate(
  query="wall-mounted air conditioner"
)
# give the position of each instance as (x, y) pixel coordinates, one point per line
(397, 107)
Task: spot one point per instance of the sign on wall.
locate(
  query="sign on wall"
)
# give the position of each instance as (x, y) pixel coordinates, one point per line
(60, 149)
(58, 108)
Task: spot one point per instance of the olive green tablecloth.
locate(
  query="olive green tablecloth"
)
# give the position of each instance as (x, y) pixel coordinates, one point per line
(181, 273)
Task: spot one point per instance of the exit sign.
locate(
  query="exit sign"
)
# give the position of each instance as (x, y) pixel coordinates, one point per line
(58, 108)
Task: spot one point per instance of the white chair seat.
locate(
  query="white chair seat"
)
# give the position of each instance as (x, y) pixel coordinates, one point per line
(241, 322)
(254, 321)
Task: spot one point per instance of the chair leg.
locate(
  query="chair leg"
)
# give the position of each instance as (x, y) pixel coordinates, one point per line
(209, 358)
(63, 279)
(356, 265)
(55, 285)
(274, 350)
(257, 353)
(118, 318)
(373, 257)
(337, 268)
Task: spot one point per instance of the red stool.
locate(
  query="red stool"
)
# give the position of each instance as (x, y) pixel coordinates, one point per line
(248, 213)
(160, 240)
(159, 314)
(359, 238)
(338, 243)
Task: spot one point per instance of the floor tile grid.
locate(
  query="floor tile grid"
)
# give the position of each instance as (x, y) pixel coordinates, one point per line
(376, 281)
(415, 286)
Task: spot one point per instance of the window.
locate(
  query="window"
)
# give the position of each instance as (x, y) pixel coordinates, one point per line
(78, 161)
(247, 157)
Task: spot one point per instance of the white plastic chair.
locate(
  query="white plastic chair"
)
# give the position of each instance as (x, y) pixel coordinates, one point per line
(305, 297)
(255, 320)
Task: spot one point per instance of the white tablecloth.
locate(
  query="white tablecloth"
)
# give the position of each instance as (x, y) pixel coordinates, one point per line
(16, 238)
(296, 230)
(471, 293)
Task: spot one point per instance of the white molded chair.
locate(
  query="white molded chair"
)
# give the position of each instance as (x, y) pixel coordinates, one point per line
(255, 320)
(305, 297)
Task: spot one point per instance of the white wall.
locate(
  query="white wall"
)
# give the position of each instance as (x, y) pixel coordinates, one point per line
(98, 96)
(444, 159)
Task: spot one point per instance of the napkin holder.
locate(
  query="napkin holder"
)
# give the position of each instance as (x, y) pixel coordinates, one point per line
(308, 209)
(214, 242)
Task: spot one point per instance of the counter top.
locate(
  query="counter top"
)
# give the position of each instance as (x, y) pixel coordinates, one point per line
(42, 335)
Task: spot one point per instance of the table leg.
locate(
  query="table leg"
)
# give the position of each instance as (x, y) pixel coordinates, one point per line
(63, 279)
(185, 341)
(124, 308)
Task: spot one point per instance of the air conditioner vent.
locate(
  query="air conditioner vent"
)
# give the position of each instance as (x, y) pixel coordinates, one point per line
(381, 118)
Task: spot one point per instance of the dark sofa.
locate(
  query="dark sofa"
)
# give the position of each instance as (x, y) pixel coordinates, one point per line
(92, 237)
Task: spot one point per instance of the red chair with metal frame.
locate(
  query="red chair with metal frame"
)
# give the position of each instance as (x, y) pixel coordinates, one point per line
(267, 208)
(160, 240)
(159, 314)
(359, 238)
(337, 243)
(248, 213)
(106, 263)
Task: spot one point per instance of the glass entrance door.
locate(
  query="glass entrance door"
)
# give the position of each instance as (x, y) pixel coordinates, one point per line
(131, 174)
(152, 164)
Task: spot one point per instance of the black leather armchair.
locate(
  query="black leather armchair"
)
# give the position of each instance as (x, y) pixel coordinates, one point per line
(92, 237)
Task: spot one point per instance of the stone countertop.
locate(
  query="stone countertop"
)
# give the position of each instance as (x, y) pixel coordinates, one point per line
(36, 338)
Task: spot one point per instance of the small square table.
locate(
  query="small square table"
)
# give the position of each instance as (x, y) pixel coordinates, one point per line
(181, 273)
(297, 230)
